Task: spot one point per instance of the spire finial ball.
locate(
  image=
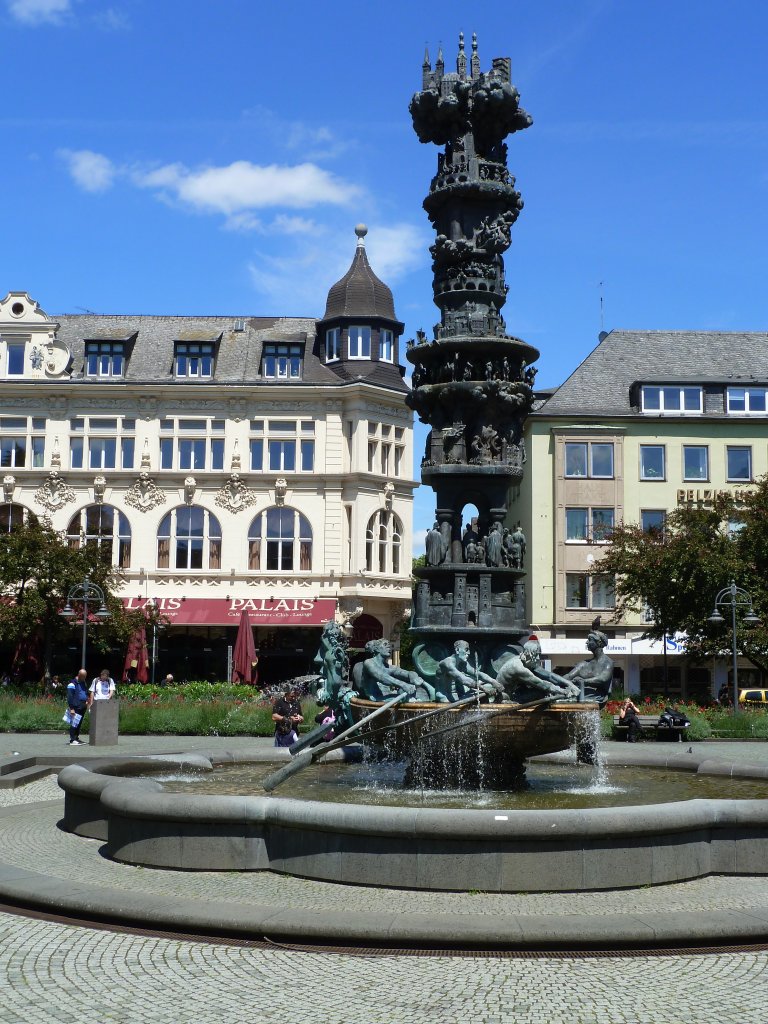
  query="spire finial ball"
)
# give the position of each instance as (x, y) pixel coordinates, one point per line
(361, 230)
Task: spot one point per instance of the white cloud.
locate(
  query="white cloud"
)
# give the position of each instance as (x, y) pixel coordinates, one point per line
(245, 186)
(93, 172)
(36, 12)
(396, 250)
(300, 276)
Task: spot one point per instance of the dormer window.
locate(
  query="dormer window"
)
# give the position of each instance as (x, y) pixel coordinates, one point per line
(281, 361)
(359, 342)
(194, 358)
(674, 398)
(332, 345)
(386, 346)
(104, 358)
(747, 400)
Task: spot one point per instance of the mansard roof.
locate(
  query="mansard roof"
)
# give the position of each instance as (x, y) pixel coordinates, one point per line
(602, 385)
(238, 342)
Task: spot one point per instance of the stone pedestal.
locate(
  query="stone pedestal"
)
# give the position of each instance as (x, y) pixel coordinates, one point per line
(102, 728)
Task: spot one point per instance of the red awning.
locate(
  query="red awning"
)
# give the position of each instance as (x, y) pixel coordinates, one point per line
(221, 611)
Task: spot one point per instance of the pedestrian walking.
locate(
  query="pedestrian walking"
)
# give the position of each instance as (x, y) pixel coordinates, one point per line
(77, 703)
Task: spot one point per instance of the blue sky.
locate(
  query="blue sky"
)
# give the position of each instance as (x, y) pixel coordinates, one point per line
(213, 156)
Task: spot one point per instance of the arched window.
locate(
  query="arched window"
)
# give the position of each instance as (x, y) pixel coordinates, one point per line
(383, 540)
(189, 537)
(12, 516)
(103, 527)
(286, 538)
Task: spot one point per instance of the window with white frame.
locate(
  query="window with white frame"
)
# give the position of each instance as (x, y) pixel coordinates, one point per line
(585, 591)
(585, 525)
(104, 358)
(15, 349)
(359, 342)
(738, 462)
(22, 442)
(695, 462)
(105, 528)
(680, 398)
(194, 358)
(383, 543)
(281, 360)
(102, 442)
(589, 459)
(386, 345)
(189, 537)
(386, 448)
(192, 443)
(333, 344)
(746, 400)
(652, 462)
(280, 540)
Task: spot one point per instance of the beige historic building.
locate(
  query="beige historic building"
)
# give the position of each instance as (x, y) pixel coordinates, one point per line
(647, 421)
(227, 462)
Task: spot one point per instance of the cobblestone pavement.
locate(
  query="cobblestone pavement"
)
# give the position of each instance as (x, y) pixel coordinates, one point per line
(30, 836)
(60, 973)
(53, 972)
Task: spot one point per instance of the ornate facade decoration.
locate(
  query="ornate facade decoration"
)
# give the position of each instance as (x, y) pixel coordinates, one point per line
(389, 494)
(54, 493)
(56, 455)
(235, 464)
(281, 486)
(190, 486)
(99, 486)
(144, 494)
(145, 463)
(9, 484)
(234, 495)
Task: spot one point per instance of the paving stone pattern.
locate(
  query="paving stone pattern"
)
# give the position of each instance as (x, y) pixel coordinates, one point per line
(59, 973)
(31, 833)
(52, 973)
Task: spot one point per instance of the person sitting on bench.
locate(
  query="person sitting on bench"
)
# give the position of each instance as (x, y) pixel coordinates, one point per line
(629, 716)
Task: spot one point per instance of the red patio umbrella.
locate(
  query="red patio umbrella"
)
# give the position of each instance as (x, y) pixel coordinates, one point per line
(244, 661)
(136, 665)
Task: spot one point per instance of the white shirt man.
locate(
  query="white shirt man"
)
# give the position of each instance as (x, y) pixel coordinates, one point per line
(102, 688)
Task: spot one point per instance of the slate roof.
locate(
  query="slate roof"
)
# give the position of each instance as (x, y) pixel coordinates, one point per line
(151, 340)
(360, 293)
(602, 384)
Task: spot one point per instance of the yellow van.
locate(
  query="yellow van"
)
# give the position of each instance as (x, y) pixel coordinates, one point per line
(753, 696)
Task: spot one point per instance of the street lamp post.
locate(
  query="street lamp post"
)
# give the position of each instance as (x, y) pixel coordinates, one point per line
(85, 592)
(734, 597)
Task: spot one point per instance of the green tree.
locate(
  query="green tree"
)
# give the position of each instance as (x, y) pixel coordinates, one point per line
(676, 572)
(37, 569)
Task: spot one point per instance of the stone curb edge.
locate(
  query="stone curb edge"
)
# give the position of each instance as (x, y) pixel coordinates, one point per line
(37, 891)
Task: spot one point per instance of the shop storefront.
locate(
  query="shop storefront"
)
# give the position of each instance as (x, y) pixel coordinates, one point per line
(196, 635)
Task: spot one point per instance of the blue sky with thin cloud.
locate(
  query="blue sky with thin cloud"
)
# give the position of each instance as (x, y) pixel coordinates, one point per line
(192, 156)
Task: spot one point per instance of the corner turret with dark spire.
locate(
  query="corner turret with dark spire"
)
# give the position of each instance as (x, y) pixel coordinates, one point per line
(359, 334)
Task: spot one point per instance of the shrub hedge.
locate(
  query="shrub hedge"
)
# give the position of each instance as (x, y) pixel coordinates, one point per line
(173, 711)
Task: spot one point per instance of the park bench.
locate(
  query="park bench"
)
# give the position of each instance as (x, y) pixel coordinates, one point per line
(650, 724)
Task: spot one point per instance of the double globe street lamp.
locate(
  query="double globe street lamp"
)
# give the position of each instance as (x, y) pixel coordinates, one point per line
(85, 593)
(734, 597)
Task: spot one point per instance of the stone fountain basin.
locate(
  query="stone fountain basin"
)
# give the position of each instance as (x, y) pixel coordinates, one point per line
(416, 848)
